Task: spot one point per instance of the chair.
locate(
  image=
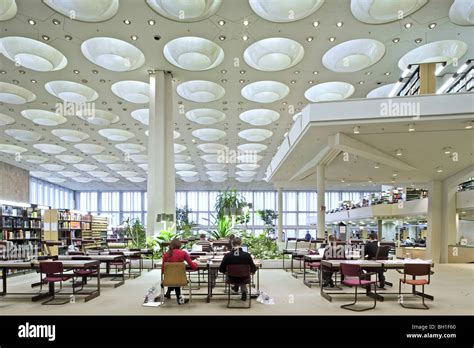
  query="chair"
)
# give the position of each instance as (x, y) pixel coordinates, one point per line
(136, 257)
(238, 275)
(382, 252)
(83, 272)
(121, 263)
(353, 277)
(174, 276)
(75, 253)
(415, 269)
(53, 271)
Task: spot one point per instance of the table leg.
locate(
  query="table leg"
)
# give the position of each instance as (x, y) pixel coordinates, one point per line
(209, 282)
(4, 281)
(304, 271)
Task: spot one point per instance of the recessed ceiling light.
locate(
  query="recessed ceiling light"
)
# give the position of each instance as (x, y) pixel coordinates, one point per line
(309, 38)
(45, 37)
(394, 174)
(408, 25)
(310, 82)
(76, 71)
(376, 166)
(134, 37)
(245, 22)
(242, 72)
(315, 24)
(439, 169)
(368, 73)
(339, 24)
(399, 152)
(342, 180)
(3, 72)
(23, 72)
(447, 150)
(361, 82)
(418, 40)
(411, 127)
(331, 39)
(68, 37)
(245, 37)
(34, 81)
(224, 81)
(221, 22)
(387, 73)
(469, 125)
(293, 82)
(223, 71)
(222, 37)
(356, 129)
(241, 81)
(432, 25)
(31, 21)
(151, 22)
(127, 22)
(56, 22)
(396, 40)
(315, 72)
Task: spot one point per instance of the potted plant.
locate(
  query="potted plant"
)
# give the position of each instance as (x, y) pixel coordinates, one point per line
(183, 224)
(135, 230)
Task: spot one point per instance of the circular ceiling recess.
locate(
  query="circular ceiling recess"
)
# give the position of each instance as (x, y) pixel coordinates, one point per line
(143, 166)
(83, 180)
(205, 116)
(69, 174)
(5, 120)
(23, 135)
(117, 166)
(216, 173)
(106, 159)
(186, 173)
(139, 158)
(99, 174)
(136, 92)
(246, 173)
(181, 158)
(185, 10)
(382, 91)
(353, 55)
(265, 91)
(184, 166)
(35, 159)
(70, 135)
(50, 149)
(70, 159)
(90, 149)
(461, 12)
(274, 54)
(52, 167)
(209, 134)
(217, 179)
(12, 149)
(329, 91)
(142, 116)
(434, 52)
(190, 179)
(136, 179)
(113, 54)
(130, 148)
(248, 166)
(85, 10)
(255, 134)
(43, 117)
(32, 54)
(244, 179)
(210, 158)
(55, 180)
(98, 117)
(39, 174)
(193, 53)
(109, 179)
(179, 148)
(283, 11)
(8, 9)
(200, 91)
(215, 166)
(71, 92)
(212, 148)
(13, 94)
(259, 117)
(383, 11)
(252, 148)
(85, 167)
(116, 134)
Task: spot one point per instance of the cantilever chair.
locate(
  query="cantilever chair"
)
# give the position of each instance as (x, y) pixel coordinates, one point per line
(238, 275)
(174, 276)
(53, 271)
(353, 277)
(414, 270)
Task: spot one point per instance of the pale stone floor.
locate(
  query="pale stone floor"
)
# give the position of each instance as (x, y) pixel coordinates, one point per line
(452, 286)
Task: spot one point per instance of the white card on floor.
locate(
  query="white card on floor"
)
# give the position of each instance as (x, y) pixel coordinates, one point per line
(152, 304)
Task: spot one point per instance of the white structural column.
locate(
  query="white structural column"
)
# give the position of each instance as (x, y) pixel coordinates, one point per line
(161, 173)
(280, 214)
(321, 188)
(435, 227)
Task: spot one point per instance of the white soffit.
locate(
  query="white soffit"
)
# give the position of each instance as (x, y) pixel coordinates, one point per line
(274, 54)
(265, 91)
(72, 92)
(205, 116)
(13, 94)
(329, 91)
(462, 12)
(8, 9)
(200, 91)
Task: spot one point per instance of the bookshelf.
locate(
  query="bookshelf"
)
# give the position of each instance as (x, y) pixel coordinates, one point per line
(99, 229)
(21, 224)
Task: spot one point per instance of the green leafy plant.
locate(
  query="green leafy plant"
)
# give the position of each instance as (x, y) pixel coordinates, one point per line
(261, 246)
(269, 217)
(183, 224)
(135, 230)
(231, 203)
(224, 227)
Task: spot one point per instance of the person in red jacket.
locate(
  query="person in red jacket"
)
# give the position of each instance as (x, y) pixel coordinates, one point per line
(175, 254)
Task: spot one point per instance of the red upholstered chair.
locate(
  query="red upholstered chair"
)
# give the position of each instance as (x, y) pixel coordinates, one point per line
(83, 272)
(120, 264)
(53, 271)
(415, 270)
(239, 275)
(353, 277)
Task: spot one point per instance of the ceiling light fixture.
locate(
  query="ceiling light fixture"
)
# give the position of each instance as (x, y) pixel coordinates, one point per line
(45, 37)
(418, 40)
(315, 24)
(439, 169)
(396, 40)
(376, 166)
(68, 37)
(408, 25)
(399, 152)
(221, 22)
(447, 150)
(222, 37)
(245, 37)
(432, 25)
(151, 22)
(127, 22)
(361, 82)
(134, 37)
(76, 71)
(469, 125)
(411, 127)
(31, 22)
(356, 129)
(56, 22)
(245, 22)
(339, 24)
(309, 38)
(332, 39)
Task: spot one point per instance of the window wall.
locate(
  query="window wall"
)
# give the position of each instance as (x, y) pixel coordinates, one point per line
(55, 196)
(298, 206)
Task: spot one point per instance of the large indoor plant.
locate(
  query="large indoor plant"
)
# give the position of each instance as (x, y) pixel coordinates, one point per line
(135, 230)
(231, 203)
(184, 225)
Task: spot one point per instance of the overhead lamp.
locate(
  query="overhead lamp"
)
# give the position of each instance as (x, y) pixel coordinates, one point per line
(339, 24)
(221, 22)
(432, 25)
(245, 37)
(396, 40)
(332, 39)
(395, 174)
(222, 37)
(134, 37)
(309, 38)
(356, 129)
(418, 40)
(408, 25)
(399, 152)
(31, 22)
(376, 166)
(469, 125)
(151, 22)
(245, 22)
(447, 150)
(45, 37)
(315, 24)
(411, 127)
(439, 169)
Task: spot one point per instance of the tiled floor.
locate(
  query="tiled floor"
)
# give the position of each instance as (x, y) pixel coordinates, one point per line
(452, 286)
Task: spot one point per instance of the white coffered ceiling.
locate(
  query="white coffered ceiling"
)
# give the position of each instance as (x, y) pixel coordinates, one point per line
(108, 151)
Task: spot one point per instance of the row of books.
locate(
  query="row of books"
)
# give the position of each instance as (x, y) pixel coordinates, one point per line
(20, 234)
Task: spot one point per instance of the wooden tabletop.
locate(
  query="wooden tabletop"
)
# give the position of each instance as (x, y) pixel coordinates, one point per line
(105, 258)
(14, 264)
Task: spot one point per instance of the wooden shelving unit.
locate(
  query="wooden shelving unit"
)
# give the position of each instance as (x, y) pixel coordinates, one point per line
(100, 226)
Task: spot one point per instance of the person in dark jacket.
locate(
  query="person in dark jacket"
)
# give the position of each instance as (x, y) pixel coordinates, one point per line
(331, 252)
(371, 251)
(238, 257)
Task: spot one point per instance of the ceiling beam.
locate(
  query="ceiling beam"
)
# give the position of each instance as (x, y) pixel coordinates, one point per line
(325, 156)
